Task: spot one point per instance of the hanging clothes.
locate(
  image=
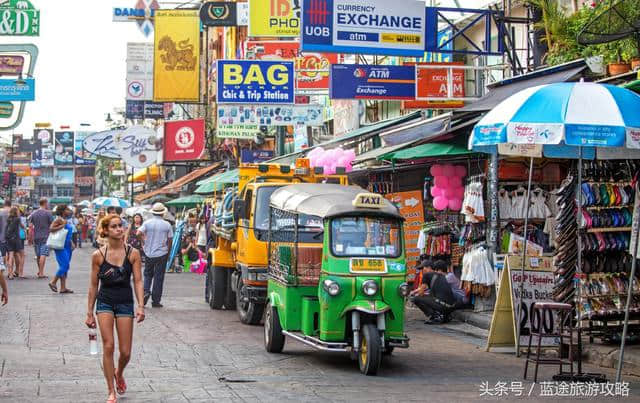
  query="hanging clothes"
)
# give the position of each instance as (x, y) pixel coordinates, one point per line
(473, 204)
(505, 204)
(519, 203)
(538, 206)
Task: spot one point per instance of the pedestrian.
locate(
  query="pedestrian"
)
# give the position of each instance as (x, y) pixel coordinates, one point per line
(114, 300)
(111, 210)
(90, 223)
(75, 223)
(201, 229)
(157, 236)
(132, 238)
(41, 221)
(82, 230)
(125, 223)
(439, 302)
(15, 234)
(189, 250)
(98, 238)
(4, 298)
(4, 216)
(63, 256)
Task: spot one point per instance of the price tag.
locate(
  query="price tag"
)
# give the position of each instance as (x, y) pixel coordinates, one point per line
(534, 262)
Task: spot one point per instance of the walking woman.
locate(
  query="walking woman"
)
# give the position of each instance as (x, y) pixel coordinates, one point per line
(15, 244)
(133, 239)
(111, 268)
(63, 256)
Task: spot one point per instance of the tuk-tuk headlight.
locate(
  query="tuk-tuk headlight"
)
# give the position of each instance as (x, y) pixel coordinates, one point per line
(404, 289)
(370, 288)
(331, 287)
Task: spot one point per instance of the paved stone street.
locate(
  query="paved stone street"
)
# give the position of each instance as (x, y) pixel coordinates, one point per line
(186, 352)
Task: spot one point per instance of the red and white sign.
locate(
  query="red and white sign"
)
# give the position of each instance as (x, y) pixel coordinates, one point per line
(307, 61)
(433, 83)
(184, 140)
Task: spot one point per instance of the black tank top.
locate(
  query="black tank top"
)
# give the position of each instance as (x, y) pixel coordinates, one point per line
(115, 281)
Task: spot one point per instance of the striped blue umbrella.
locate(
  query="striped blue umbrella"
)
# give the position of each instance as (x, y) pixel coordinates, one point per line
(103, 202)
(579, 114)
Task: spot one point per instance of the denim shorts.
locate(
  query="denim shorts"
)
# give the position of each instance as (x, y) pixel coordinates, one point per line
(41, 248)
(118, 310)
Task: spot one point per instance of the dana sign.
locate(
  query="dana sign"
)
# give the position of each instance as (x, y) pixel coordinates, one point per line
(380, 27)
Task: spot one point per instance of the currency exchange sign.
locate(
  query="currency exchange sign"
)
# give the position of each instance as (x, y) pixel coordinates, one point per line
(19, 18)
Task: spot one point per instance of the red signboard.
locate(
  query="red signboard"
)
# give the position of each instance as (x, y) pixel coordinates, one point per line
(306, 80)
(433, 83)
(184, 140)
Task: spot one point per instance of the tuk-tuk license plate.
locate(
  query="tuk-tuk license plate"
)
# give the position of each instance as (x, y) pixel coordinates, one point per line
(368, 266)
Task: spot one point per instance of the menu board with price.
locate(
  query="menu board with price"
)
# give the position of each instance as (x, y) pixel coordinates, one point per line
(514, 305)
(410, 206)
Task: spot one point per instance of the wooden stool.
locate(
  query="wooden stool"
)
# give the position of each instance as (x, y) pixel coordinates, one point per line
(563, 310)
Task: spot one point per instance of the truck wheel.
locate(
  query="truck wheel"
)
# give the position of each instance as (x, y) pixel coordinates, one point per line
(230, 297)
(370, 351)
(250, 313)
(273, 337)
(217, 287)
(207, 285)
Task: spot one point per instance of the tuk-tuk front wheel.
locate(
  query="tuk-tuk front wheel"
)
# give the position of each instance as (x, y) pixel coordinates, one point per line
(207, 286)
(250, 312)
(273, 337)
(370, 354)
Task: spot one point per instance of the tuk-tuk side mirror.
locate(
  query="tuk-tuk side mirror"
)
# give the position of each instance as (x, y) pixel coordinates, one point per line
(239, 210)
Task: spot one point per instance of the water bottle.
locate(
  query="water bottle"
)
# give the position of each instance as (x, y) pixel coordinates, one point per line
(93, 342)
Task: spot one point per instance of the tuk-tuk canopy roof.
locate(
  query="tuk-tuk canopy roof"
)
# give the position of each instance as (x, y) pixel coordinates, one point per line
(327, 200)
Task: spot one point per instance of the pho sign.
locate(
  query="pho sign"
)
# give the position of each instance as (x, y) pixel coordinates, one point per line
(19, 18)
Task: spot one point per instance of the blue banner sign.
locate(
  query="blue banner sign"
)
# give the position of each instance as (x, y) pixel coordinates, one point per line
(18, 90)
(358, 81)
(256, 156)
(256, 82)
(375, 27)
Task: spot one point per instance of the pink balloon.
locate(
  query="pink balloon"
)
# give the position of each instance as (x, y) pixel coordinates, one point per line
(440, 203)
(441, 181)
(455, 204)
(343, 162)
(448, 171)
(351, 154)
(349, 168)
(449, 193)
(461, 171)
(436, 191)
(459, 193)
(455, 182)
(436, 170)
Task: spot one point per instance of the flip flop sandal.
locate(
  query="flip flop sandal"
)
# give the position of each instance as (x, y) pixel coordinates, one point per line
(42, 277)
(121, 386)
(53, 287)
(67, 291)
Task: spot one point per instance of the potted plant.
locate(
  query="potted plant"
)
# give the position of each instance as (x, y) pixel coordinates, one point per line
(613, 52)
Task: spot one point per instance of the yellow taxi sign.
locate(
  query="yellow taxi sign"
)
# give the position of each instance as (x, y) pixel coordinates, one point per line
(368, 200)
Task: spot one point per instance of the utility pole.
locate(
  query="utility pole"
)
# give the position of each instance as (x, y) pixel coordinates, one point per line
(11, 169)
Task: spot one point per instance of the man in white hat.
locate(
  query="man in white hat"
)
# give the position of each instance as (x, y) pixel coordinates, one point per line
(157, 235)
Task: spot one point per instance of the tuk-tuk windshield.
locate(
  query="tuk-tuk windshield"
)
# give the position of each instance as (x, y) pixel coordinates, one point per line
(365, 236)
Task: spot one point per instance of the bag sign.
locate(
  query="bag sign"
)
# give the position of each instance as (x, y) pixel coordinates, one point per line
(256, 82)
(354, 81)
(382, 27)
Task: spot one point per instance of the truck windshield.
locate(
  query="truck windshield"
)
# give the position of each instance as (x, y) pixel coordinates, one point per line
(261, 216)
(365, 236)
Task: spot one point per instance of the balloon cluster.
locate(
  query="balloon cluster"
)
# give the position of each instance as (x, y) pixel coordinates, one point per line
(447, 189)
(329, 160)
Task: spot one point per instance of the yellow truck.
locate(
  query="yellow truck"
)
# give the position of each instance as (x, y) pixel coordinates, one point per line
(237, 265)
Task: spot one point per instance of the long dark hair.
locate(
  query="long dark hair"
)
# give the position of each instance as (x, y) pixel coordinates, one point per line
(133, 223)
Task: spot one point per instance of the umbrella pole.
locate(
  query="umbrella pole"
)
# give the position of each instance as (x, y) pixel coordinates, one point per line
(524, 255)
(636, 230)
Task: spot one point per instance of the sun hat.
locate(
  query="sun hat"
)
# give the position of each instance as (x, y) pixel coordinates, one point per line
(158, 209)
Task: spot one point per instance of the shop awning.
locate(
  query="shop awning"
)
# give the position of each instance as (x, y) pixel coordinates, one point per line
(502, 90)
(218, 182)
(364, 131)
(187, 201)
(425, 151)
(141, 175)
(176, 186)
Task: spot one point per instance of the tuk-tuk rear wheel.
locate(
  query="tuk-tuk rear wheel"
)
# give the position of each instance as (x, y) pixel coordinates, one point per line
(273, 337)
(370, 350)
(250, 312)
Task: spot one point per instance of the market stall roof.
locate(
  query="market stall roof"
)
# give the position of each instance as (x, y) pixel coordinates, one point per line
(425, 151)
(363, 131)
(187, 201)
(502, 90)
(326, 200)
(218, 182)
(176, 186)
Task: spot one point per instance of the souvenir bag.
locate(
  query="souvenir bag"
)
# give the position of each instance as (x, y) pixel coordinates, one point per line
(56, 240)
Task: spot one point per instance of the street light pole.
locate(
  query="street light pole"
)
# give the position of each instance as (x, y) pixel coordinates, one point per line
(11, 169)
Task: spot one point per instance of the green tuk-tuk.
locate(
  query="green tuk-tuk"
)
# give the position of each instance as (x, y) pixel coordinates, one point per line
(337, 272)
